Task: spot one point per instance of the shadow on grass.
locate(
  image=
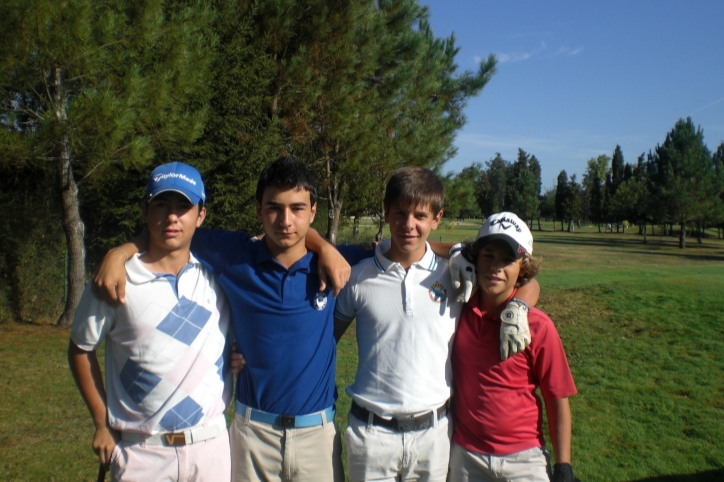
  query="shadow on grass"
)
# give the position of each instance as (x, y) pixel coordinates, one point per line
(693, 251)
(708, 476)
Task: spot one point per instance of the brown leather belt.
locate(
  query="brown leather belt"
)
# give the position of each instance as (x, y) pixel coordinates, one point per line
(401, 424)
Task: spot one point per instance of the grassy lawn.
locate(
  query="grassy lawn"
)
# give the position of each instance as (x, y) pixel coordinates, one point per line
(643, 327)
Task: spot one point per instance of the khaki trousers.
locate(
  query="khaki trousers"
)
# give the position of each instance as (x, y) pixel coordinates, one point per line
(263, 452)
(527, 466)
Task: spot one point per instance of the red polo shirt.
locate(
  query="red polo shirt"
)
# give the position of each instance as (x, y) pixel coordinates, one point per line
(495, 407)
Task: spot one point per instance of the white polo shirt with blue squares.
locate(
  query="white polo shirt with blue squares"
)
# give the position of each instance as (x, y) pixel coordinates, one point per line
(166, 349)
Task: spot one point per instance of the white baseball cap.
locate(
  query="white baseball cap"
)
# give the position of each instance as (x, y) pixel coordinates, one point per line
(510, 228)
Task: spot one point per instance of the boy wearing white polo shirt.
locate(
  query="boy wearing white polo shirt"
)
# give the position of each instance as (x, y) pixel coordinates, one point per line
(406, 317)
(160, 415)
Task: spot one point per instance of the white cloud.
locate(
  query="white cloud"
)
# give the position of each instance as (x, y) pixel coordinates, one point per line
(504, 57)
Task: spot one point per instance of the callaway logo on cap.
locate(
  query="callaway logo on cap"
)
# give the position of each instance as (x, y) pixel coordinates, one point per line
(510, 228)
(176, 177)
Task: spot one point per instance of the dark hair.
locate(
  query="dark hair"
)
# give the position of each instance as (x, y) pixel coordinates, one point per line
(287, 173)
(412, 186)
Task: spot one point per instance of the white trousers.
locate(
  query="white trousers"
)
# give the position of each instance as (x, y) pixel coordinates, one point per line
(383, 454)
(206, 461)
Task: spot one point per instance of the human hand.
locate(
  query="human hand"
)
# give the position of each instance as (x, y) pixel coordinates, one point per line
(104, 441)
(109, 281)
(462, 272)
(563, 473)
(238, 362)
(332, 267)
(514, 329)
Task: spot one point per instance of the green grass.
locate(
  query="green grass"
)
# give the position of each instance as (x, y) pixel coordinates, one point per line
(643, 327)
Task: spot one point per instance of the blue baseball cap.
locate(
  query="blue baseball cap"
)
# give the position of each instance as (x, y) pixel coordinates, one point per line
(176, 177)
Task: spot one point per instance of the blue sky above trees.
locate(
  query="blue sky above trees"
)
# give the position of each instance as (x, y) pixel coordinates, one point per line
(576, 78)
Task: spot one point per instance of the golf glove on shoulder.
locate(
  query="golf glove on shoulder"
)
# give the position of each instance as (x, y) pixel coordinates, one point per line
(514, 329)
(462, 272)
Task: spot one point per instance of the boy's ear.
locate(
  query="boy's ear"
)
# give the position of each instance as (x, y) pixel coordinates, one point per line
(436, 220)
(314, 212)
(257, 206)
(201, 216)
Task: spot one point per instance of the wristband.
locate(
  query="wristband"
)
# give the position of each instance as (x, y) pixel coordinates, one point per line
(119, 249)
(521, 302)
(455, 248)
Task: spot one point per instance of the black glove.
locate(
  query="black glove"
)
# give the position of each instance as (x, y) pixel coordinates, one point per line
(563, 473)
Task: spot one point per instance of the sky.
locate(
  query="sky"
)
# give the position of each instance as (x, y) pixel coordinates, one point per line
(576, 78)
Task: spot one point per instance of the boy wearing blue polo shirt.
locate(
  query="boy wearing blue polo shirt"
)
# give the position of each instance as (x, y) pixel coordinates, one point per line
(283, 324)
(160, 415)
(406, 316)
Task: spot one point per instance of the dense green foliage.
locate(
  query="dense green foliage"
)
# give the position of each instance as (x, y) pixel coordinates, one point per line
(94, 94)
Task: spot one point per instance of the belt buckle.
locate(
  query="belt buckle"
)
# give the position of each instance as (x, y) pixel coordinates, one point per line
(287, 421)
(175, 439)
(405, 424)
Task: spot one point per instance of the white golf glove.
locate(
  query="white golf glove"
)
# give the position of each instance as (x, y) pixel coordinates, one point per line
(514, 329)
(462, 272)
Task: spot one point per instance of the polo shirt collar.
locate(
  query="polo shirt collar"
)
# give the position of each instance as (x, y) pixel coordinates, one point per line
(474, 305)
(262, 255)
(137, 272)
(428, 261)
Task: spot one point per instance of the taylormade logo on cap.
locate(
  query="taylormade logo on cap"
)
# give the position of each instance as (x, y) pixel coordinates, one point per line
(160, 177)
(510, 228)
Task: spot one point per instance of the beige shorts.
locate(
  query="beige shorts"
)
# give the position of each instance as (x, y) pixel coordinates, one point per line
(261, 451)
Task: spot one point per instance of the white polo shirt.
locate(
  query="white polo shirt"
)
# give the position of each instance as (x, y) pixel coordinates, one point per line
(166, 349)
(405, 326)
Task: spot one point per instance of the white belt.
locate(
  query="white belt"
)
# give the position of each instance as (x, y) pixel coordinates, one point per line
(185, 437)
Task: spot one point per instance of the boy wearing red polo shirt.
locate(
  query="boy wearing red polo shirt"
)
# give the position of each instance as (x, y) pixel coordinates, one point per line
(497, 415)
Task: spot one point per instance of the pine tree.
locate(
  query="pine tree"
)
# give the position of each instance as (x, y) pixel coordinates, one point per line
(685, 181)
(86, 85)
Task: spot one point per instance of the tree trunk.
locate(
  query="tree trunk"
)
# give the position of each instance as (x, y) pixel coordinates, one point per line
(570, 226)
(599, 228)
(381, 223)
(643, 230)
(539, 228)
(561, 225)
(355, 226)
(334, 202)
(72, 223)
(700, 233)
(682, 235)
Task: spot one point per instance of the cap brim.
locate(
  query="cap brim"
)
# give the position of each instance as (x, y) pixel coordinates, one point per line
(518, 250)
(190, 196)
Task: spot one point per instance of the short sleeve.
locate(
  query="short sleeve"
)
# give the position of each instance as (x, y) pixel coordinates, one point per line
(92, 321)
(550, 362)
(344, 309)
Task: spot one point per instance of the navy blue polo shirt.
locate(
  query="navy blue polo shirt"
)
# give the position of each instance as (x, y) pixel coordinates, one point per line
(282, 324)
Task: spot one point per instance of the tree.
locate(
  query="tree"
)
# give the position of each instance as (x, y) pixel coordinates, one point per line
(685, 180)
(597, 170)
(491, 186)
(523, 188)
(562, 196)
(85, 85)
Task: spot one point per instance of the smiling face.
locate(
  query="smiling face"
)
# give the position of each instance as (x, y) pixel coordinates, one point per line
(409, 228)
(286, 215)
(171, 220)
(497, 273)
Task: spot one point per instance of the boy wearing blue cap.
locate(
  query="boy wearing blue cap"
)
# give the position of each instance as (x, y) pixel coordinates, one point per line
(160, 414)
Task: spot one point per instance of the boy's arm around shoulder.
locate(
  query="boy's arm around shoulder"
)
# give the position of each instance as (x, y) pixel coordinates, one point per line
(332, 267)
(109, 280)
